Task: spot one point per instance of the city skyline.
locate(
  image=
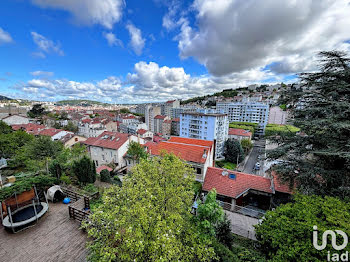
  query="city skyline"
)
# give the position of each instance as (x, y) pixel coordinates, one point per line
(122, 52)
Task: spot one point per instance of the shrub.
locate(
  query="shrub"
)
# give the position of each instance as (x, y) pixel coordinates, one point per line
(105, 176)
(65, 180)
(90, 188)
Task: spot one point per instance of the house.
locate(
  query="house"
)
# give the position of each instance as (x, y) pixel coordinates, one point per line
(236, 189)
(55, 134)
(239, 134)
(143, 133)
(198, 153)
(113, 126)
(71, 139)
(16, 120)
(110, 147)
(91, 127)
(30, 128)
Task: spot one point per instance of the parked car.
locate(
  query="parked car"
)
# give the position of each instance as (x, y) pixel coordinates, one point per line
(257, 166)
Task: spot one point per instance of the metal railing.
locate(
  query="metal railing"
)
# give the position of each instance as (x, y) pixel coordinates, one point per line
(241, 210)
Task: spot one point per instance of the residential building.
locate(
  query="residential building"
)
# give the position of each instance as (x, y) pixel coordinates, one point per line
(246, 112)
(110, 147)
(166, 128)
(175, 127)
(30, 128)
(55, 134)
(177, 111)
(143, 133)
(15, 120)
(239, 134)
(206, 125)
(150, 113)
(113, 126)
(166, 108)
(196, 152)
(277, 116)
(132, 127)
(70, 140)
(126, 119)
(91, 128)
(158, 123)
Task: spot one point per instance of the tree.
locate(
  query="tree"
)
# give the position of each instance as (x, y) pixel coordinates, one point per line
(105, 176)
(317, 160)
(148, 218)
(36, 111)
(71, 127)
(4, 128)
(233, 151)
(85, 170)
(286, 233)
(209, 214)
(136, 151)
(246, 145)
(223, 232)
(12, 143)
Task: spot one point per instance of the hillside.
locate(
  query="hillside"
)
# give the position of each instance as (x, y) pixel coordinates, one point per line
(79, 102)
(226, 93)
(5, 98)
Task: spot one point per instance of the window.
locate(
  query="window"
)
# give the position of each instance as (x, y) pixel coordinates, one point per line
(199, 170)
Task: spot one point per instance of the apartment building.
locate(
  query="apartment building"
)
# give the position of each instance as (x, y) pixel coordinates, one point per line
(150, 113)
(246, 112)
(206, 125)
(166, 108)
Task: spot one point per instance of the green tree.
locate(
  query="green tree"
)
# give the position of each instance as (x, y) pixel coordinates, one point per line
(84, 169)
(4, 128)
(136, 151)
(71, 127)
(209, 214)
(105, 176)
(233, 151)
(246, 145)
(36, 111)
(148, 218)
(286, 233)
(12, 143)
(318, 160)
(223, 232)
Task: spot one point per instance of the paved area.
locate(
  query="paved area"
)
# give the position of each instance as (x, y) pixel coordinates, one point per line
(54, 238)
(257, 150)
(242, 225)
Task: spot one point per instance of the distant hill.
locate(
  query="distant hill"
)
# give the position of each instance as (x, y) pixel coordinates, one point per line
(82, 102)
(225, 93)
(5, 98)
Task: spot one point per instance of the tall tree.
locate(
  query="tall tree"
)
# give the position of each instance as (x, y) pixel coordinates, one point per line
(148, 218)
(233, 151)
(85, 170)
(318, 160)
(136, 151)
(36, 111)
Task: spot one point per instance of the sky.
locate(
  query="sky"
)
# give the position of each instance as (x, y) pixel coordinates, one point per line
(121, 51)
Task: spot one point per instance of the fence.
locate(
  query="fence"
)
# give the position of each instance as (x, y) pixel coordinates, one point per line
(242, 210)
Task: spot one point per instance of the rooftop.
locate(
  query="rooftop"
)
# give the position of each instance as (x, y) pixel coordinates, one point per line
(239, 132)
(112, 140)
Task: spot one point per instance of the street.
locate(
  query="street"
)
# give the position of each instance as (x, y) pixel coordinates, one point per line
(258, 149)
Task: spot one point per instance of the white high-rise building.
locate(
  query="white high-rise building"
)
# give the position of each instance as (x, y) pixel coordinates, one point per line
(150, 113)
(246, 112)
(206, 125)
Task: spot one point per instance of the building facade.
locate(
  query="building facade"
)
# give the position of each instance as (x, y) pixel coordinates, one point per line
(206, 125)
(246, 112)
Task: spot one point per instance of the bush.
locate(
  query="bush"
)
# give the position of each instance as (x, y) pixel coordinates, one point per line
(197, 187)
(223, 253)
(117, 181)
(280, 130)
(65, 179)
(105, 176)
(90, 188)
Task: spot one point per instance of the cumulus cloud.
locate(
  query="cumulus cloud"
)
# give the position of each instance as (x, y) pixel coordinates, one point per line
(112, 39)
(5, 37)
(42, 73)
(149, 82)
(233, 36)
(45, 46)
(87, 12)
(136, 41)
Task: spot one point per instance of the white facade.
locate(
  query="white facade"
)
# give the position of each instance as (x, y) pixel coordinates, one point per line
(60, 134)
(91, 130)
(16, 120)
(246, 112)
(150, 113)
(132, 127)
(277, 116)
(206, 125)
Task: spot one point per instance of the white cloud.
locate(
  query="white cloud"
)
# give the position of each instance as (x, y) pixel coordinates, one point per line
(112, 39)
(136, 41)
(233, 36)
(87, 12)
(45, 45)
(5, 37)
(42, 73)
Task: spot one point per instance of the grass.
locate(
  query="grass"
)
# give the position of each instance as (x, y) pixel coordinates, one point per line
(226, 164)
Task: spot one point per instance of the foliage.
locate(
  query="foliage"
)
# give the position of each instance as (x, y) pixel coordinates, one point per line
(246, 145)
(148, 218)
(233, 151)
(65, 179)
(223, 253)
(318, 160)
(124, 111)
(283, 107)
(136, 151)
(55, 168)
(11, 143)
(223, 232)
(197, 187)
(26, 183)
(105, 176)
(209, 214)
(5, 128)
(90, 189)
(71, 127)
(117, 181)
(84, 169)
(36, 111)
(43, 147)
(286, 233)
(280, 130)
(226, 164)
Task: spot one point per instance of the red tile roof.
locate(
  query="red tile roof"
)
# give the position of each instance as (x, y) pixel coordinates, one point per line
(112, 140)
(239, 132)
(159, 117)
(29, 128)
(141, 131)
(50, 132)
(176, 119)
(170, 101)
(279, 185)
(234, 187)
(191, 141)
(100, 168)
(167, 121)
(188, 152)
(87, 120)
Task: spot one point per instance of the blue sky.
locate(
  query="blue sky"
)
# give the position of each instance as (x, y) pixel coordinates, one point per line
(141, 51)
